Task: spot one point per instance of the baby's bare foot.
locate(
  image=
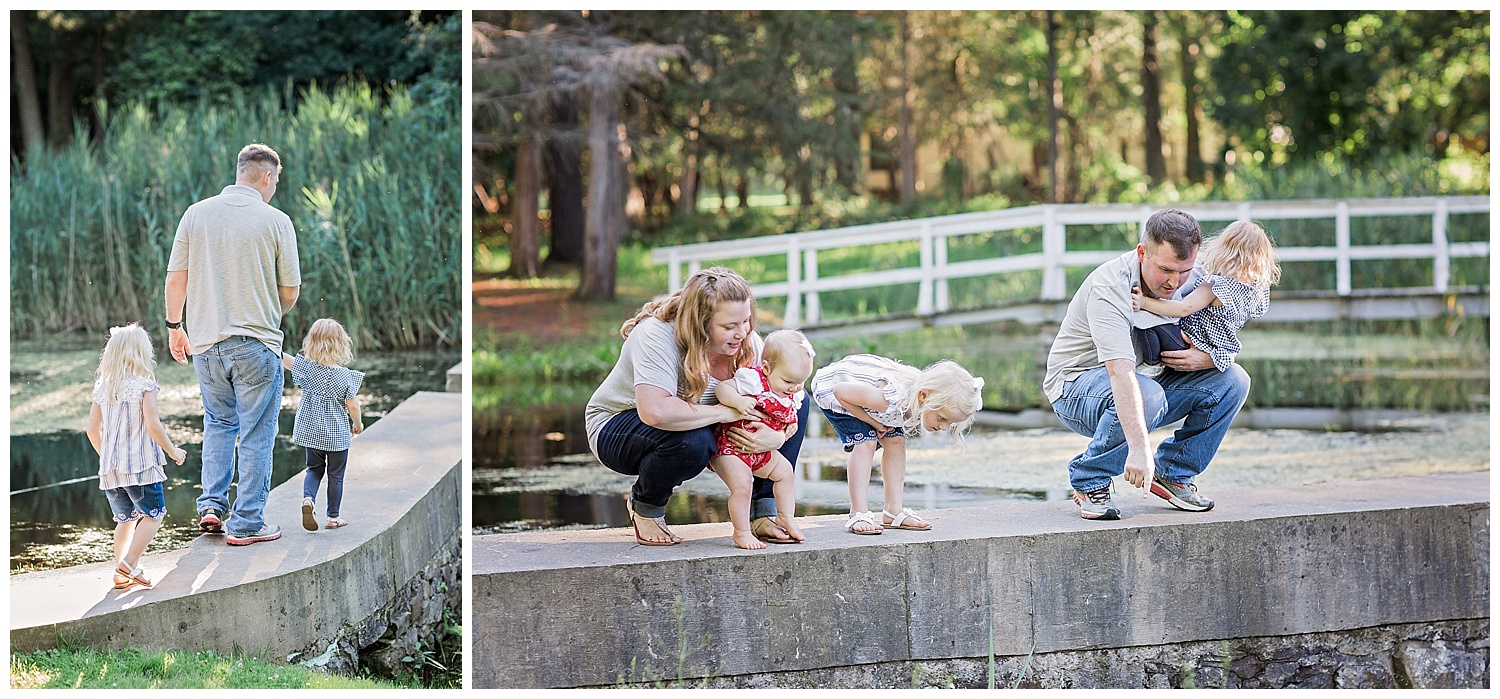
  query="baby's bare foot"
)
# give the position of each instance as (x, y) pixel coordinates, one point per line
(789, 523)
(746, 540)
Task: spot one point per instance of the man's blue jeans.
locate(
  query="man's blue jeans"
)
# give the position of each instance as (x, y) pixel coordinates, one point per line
(1209, 399)
(241, 381)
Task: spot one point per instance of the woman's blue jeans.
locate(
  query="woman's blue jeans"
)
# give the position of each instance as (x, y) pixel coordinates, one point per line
(661, 460)
(1208, 399)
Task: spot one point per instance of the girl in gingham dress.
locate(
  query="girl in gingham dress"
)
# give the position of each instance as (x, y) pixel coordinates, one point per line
(1240, 269)
(328, 414)
(133, 446)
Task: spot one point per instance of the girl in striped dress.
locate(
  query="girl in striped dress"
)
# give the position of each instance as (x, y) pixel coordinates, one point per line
(1240, 267)
(327, 416)
(126, 430)
(873, 402)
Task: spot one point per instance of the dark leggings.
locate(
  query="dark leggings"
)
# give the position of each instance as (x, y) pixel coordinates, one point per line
(661, 460)
(1154, 339)
(333, 462)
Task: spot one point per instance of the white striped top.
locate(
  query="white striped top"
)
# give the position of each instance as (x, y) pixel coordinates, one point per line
(322, 420)
(869, 369)
(127, 454)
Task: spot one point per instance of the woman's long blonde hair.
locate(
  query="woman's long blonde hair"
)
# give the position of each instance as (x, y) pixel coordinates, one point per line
(1245, 252)
(126, 355)
(690, 311)
(327, 343)
(947, 385)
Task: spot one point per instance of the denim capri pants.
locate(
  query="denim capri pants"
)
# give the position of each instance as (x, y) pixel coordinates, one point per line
(133, 502)
(852, 430)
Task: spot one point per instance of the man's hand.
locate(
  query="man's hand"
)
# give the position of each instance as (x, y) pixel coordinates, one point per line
(177, 339)
(756, 438)
(1190, 359)
(1140, 469)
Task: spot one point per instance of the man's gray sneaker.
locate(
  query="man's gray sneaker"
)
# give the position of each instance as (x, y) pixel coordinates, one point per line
(1183, 496)
(1096, 504)
(266, 533)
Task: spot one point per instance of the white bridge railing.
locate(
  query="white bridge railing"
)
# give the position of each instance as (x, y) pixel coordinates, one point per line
(932, 274)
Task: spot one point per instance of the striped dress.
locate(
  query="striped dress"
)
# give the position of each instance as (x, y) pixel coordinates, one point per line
(862, 368)
(127, 454)
(1214, 329)
(322, 421)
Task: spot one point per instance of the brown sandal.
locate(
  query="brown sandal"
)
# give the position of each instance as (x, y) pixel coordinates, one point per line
(132, 577)
(661, 522)
(766, 529)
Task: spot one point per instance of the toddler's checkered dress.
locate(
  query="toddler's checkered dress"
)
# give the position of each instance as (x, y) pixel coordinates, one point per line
(322, 420)
(1213, 329)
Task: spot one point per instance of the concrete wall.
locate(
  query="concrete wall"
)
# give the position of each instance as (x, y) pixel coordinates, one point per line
(597, 610)
(402, 499)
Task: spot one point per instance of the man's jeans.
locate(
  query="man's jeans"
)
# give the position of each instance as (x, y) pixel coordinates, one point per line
(241, 381)
(1209, 399)
(661, 460)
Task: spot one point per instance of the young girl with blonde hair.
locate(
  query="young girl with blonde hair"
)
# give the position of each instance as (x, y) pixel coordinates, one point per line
(1240, 267)
(872, 402)
(133, 445)
(327, 416)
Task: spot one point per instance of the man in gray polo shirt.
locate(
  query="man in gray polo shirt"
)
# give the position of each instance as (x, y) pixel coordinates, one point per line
(234, 264)
(1095, 390)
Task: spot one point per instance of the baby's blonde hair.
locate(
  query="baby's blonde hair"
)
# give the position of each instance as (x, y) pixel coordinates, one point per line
(126, 355)
(327, 343)
(787, 347)
(1243, 251)
(947, 385)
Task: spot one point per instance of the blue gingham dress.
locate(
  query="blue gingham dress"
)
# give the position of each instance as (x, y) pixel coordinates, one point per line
(322, 420)
(1214, 329)
(127, 453)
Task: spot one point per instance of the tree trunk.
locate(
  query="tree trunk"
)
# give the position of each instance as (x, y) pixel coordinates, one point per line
(32, 135)
(848, 165)
(723, 190)
(565, 185)
(60, 90)
(1156, 163)
(742, 190)
(605, 217)
(908, 98)
(687, 185)
(1190, 47)
(1054, 107)
(526, 225)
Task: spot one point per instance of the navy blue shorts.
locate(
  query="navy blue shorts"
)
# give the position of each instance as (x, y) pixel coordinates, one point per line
(136, 501)
(852, 430)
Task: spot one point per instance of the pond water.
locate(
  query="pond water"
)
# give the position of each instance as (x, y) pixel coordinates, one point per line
(60, 518)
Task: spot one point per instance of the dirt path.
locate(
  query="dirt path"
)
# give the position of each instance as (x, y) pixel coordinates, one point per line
(544, 309)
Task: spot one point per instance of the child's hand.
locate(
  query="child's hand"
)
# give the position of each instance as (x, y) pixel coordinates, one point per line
(178, 455)
(1135, 298)
(355, 427)
(882, 430)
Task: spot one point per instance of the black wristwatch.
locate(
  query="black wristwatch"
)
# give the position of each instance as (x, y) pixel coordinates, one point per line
(174, 326)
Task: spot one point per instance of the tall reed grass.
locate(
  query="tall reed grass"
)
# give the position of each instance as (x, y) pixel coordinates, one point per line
(371, 183)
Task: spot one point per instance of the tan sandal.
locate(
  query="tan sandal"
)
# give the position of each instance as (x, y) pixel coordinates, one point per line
(661, 523)
(132, 577)
(766, 529)
(335, 523)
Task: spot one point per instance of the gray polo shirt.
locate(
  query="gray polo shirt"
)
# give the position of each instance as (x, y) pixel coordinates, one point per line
(236, 250)
(1097, 326)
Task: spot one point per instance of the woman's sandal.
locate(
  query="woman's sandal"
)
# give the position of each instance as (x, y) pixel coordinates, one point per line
(766, 529)
(335, 523)
(661, 522)
(131, 577)
(900, 520)
(866, 518)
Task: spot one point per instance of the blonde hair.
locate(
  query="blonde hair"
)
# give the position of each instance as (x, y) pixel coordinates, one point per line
(947, 385)
(690, 311)
(327, 343)
(787, 346)
(126, 355)
(1245, 252)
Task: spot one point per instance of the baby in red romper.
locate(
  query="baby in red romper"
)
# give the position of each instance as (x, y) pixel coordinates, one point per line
(775, 389)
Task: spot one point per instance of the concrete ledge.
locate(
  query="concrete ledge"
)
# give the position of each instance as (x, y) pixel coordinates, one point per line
(402, 500)
(597, 609)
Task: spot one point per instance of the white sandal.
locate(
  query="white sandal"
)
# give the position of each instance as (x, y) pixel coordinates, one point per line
(898, 520)
(867, 518)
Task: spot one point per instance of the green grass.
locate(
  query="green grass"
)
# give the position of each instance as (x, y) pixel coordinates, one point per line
(371, 184)
(170, 669)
